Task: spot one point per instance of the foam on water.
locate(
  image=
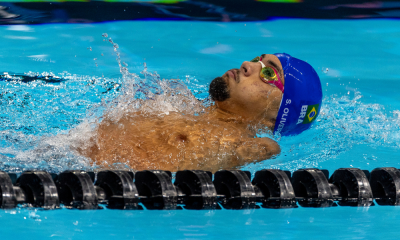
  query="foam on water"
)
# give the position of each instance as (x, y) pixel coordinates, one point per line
(35, 111)
(45, 116)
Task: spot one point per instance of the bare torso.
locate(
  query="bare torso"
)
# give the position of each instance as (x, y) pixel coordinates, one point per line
(176, 142)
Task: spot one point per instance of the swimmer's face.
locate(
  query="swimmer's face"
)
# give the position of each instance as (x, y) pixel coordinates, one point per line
(242, 91)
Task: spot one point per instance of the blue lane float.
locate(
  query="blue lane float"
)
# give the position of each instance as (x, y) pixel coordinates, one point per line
(196, 189)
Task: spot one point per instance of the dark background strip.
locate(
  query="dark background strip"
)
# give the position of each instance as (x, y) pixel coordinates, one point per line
(206, 10)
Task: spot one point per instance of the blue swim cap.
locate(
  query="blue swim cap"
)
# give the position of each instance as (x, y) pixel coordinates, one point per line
(302, 98)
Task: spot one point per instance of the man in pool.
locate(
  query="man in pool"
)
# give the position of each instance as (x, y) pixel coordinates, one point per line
(277, 93)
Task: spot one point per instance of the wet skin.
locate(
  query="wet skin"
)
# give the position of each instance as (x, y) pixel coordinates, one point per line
(221, 138)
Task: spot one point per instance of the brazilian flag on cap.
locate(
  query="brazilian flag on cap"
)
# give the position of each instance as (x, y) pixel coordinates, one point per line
(312, 112)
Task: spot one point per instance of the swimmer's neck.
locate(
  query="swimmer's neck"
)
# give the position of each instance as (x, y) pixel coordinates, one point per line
(227, 116)
(224, 115)
(250, 123)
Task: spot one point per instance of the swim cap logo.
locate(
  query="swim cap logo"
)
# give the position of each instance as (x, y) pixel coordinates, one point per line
(308, 113)
(302, 114)
(283, 119)
(312, 112)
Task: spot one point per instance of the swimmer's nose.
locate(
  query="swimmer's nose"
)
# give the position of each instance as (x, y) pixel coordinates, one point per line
(248, 68)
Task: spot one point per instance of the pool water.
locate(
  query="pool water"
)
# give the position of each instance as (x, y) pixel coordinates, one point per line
(75, 77)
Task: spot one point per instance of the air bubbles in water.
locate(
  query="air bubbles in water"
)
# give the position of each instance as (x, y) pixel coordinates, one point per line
(325, 70)
(104, 35)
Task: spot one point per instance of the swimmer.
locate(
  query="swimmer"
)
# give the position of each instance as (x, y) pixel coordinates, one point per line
(277, 93)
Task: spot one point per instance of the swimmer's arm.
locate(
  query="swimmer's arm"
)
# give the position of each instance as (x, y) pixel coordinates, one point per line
(256, 149)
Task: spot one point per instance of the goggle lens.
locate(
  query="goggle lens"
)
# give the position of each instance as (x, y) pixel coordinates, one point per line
(256, 59)
(269, 75)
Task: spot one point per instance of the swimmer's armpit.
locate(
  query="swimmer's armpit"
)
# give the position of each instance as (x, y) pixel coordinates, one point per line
(256, 149)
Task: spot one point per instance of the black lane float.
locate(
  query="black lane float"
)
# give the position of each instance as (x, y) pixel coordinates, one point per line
(195, 189)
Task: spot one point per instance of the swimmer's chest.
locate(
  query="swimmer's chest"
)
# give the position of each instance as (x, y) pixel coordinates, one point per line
(187, 131)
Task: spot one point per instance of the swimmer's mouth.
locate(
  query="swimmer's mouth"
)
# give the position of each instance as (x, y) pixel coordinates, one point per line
(232, 73)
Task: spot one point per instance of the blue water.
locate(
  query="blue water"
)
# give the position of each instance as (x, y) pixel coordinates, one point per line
(301, 223)
(359, 125)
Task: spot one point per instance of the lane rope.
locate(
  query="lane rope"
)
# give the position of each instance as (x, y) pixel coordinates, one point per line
(197, 189)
